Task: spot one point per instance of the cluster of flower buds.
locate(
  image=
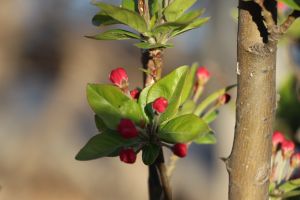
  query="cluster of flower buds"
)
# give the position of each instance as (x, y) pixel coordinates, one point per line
(119, 78)
(284, 159)
(127, 128)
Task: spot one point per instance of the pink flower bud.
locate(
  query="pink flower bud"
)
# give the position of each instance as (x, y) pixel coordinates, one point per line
(180, 150)
(127, 156)
(127, 129)
(160, 105)
(282, 7)
(277, 138)
(119, 77)
(287, 147)
(135, 93)
(224, 99)
(295, 160)
(203, 75)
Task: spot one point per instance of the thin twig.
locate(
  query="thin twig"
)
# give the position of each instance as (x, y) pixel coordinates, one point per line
(289, 21)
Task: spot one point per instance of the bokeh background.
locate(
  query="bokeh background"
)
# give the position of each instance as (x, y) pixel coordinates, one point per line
(45, 64)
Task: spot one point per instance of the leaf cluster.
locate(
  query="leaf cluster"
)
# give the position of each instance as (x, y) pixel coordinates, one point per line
(151, 22)
(183, 121)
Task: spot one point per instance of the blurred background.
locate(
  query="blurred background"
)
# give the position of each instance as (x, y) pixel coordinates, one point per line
(45, 64)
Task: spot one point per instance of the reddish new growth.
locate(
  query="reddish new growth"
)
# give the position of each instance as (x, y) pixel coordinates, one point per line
(160, 105)
(119, 77)
(203, 75)
(224, 99)
(277, 138)
(180, 150)
(127, 128)
(135, 93)
(127, 156)
(287, 147)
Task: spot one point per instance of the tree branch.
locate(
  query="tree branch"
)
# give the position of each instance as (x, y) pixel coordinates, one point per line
(289, 21)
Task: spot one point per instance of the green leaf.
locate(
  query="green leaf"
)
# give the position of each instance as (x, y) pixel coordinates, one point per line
(150, 153)
(103, 19)
(111, 105)
(100, 124)
(189, 83)
(290, 185)
(175, 9)
(171, 88)
(146, 45)
(193, 25)
(115, 34)
(183, 129)
(166, 28)
(210, 99)
(102, 145)
(208, 138)
(128, 17)
(129, 4)
(187, 108)
(295, 4)
(142, 101)
(155, 7)
(211, 116)
(294, 193)
(190, 16)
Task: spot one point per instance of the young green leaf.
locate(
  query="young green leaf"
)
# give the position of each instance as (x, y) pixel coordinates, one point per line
(115, 34)
(183, 129)
(210, 99)
(171, 88)
(190, 16)
(290, 185)
(177, 8)
(295, 4)
(129, 4)
(155, 7)
(187, 108)
(111, 105)
(207, 138)
(189, 83)
(128, 17)
(193, 25)
(211, 116)
(100, 124)
(103, 19)
(102, 145)
(150, 153)
(142, 101)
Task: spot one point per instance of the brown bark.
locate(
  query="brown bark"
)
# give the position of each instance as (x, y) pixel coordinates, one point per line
(159, 187)
(249, 162)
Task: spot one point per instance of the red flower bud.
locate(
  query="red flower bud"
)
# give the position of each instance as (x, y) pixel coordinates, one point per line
(203, 75)
(277, 138)
(224, 99)
(160, 104)
(295, 160)
(127, 156)
(135, 93)
(127, 129)
(180, 150)
(119, 77)
(287, 147)
(282, 7)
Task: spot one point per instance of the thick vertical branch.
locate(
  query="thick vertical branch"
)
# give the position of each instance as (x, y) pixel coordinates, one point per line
(159, 188)
(249, 162)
